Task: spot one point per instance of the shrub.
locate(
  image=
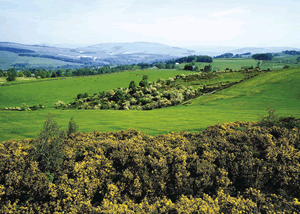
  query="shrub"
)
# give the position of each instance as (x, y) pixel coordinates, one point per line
(50, 146)
(119, 96)
(286, 67)
(144, 83)
(24, 107)
(11, 78)
(85, 95)
(34, 108)
(132, 86)
(72, 128)
(270, 120)
(59, 104)
(79, 96)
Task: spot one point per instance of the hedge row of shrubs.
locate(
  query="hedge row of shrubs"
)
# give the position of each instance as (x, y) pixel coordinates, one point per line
(25, 107)
(146, 96)
(237, 167)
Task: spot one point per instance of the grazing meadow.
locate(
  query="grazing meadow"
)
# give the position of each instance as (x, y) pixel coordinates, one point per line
(246, 101)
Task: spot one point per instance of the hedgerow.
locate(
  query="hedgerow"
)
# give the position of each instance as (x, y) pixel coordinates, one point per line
(236, 167)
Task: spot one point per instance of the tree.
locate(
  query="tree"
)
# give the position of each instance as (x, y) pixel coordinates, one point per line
(48, 75)
(188, 67)
(132, 86)
(72, 128)
(13, 71)
(20, 74)
(266, 56)
(298, 60)
(207, 68)
(1, 73)
(50, 147)
(53, 75)
(11, 77)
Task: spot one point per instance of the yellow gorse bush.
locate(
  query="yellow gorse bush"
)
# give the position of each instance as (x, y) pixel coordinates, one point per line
(228, 168)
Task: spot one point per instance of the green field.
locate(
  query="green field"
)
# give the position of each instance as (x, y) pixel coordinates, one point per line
(222, 64)
(8, 58)
(244, 102)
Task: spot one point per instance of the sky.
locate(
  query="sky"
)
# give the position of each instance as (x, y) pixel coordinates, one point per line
(238, 23)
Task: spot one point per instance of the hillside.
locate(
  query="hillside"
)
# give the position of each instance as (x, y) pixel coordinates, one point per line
(254, 50)
(100, 54)
(138, 47)
(244, 101)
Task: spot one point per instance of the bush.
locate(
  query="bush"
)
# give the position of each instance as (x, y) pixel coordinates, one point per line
(79, 96)
(286, 67)
(144, 83)
(34, 108)
(50, 148)
(59, 104)
(11, 78)
(72, 128)
(85, 95)
(270, 120)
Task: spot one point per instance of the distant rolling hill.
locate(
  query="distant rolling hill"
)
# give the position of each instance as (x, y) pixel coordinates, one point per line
(119, 53)
(138, 47)
(254, 50)
(101, 54)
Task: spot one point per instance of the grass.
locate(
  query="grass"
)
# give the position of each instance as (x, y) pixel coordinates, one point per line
(49, 92)
(222, 64)
(244, 102)
(24, 80)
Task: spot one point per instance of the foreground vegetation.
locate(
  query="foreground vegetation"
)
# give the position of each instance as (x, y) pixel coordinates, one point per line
(237, 167)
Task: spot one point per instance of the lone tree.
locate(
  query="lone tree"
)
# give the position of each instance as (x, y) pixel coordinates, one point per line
(207, 68)
(11, 76)
(132, 86)
(50, 147)
(188, 67)
(144, 82)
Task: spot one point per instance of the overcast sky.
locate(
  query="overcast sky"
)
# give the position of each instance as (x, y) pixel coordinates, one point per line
(263, 23)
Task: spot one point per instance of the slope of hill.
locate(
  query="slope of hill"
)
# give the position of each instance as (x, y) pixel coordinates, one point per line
(138, 47)
(254, 50)
(244, 102)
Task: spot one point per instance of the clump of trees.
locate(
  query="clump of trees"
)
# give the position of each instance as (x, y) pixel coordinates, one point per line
(291, 52)
(266, 56)
(225, 55)
(189, 59)
(236, 167)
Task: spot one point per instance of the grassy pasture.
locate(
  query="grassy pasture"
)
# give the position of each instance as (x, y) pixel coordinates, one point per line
(244, 102)
(222, 64)
(49, 92)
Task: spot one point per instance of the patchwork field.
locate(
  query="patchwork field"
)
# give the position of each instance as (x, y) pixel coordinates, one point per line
(245, 101)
